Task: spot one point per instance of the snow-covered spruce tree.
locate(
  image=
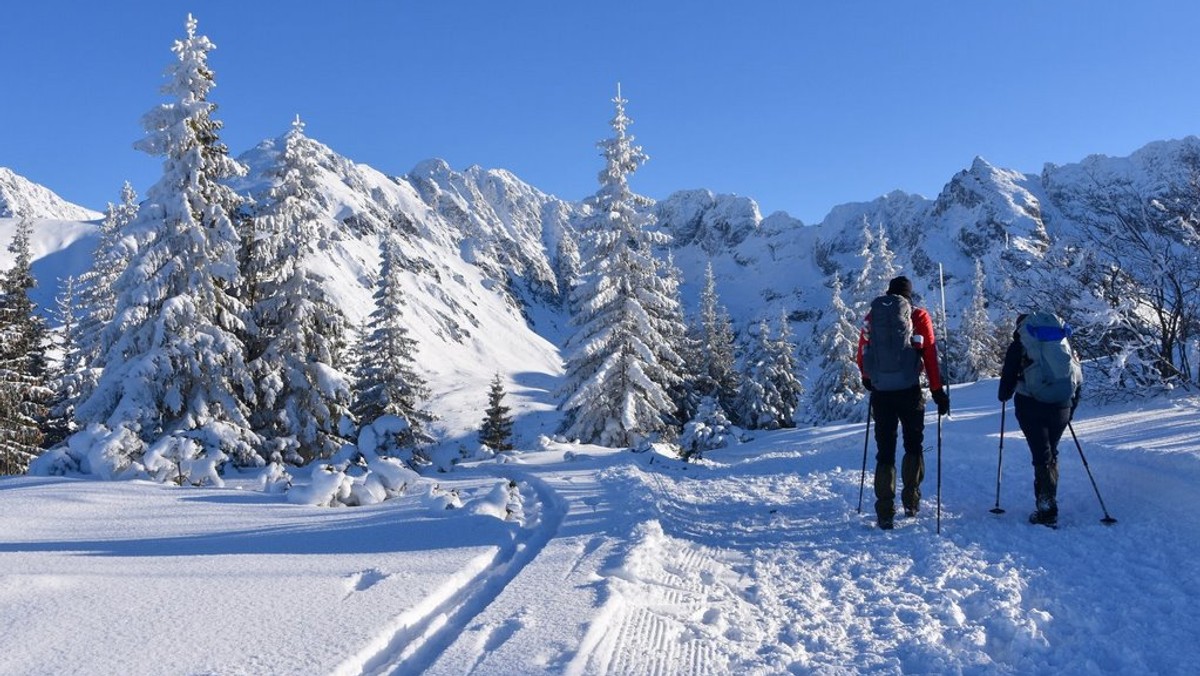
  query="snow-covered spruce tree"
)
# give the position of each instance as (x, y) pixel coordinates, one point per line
(837, 393)
(566, 269)
(769, 392)
(879, 267)
(23, 390)
(717, 375)
(708, 429)
(95, 296)
(782, 375)
(496, 432)
(617, 390)
(976, 350)
(296, 348)
(757, 405)
(680, 344)
(173, 396)
(66, 374)
(386, 382)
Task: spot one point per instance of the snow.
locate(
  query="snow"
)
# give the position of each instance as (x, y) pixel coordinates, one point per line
(579, 560)
(22, 198)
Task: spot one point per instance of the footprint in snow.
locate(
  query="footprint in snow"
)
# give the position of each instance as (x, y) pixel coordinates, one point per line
(364, 580)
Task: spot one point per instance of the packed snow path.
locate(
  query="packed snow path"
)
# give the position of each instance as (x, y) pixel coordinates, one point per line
(753, 561)
(756, 561)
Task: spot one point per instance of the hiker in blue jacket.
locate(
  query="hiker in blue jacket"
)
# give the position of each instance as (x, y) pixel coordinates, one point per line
(1042, 417)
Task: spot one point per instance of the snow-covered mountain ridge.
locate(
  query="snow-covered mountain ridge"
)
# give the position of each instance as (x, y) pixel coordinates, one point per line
(483, 248)
(22, 198)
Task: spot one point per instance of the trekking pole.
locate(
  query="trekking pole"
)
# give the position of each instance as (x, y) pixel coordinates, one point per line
(946, 386)
(1000, 461)
(1107, 520)
(939, 475)
(862, 478)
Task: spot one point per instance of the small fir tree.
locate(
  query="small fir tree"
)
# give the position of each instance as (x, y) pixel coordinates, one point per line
(566, 269)
(496, 432)
(837, 393)
(782, 374)
(386, 379)
(69, 372)
(96, 287)
(718, 377)
(23, 391)
(674, 328)
(977, 348)
(879, 267)
(297, 345)
(770, 391)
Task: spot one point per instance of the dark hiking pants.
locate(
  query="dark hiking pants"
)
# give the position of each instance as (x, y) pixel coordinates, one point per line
(898, 411)
(1043, 425)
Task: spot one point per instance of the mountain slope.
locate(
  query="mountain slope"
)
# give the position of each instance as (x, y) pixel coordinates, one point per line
(22, 198)
(482, 247)
(464, 273)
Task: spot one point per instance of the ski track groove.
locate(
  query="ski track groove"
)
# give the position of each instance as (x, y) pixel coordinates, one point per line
(716, 590)
(659, 617)
(417, 643)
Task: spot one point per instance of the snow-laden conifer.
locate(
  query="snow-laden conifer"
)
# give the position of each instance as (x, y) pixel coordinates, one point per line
(782, 374)
(837, 393)
(976, 350)
(757, 404)
(617, 390)
(172, 398)
(673, 354)
(69, 371)
(386, 382)
(769, 391)
(708, 429)
(879, 267)
(496, 431)
(717, 373)
(296, 347)
(23, 391)
(95, 293)
(566, 269)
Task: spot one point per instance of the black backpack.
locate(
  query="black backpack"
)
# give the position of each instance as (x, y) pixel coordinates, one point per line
(890, 361)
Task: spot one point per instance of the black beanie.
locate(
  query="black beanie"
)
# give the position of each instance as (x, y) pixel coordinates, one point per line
(900, 286)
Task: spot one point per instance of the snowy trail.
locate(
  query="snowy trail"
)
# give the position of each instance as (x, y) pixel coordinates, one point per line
(753, 561)
(411, 641)
(758, 563)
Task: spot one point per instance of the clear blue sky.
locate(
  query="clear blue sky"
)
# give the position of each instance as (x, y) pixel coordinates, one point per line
(798, 105)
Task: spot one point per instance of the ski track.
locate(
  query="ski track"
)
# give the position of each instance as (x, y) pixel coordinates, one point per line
(413, 640)
(668, 612)
(762, 566)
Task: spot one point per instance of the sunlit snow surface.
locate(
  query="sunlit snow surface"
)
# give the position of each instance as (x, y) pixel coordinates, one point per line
(752, 561)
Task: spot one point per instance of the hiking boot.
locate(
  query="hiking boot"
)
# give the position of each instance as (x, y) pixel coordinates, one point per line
(912, 472)
(885, 523)
(1041, 518)
(1045, 490)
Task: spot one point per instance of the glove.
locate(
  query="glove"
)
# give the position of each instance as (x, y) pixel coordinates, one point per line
(867, 385)
(942, 400)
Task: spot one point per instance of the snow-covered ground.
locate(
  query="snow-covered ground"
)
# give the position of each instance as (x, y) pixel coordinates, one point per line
(753, 561)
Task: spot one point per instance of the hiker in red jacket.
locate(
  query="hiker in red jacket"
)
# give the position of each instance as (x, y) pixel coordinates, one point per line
(896, 344)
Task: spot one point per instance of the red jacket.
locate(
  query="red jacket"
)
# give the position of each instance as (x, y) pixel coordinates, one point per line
(922, 326)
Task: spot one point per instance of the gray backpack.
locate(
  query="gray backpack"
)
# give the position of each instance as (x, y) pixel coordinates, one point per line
(1051, 374)
(889, 359)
